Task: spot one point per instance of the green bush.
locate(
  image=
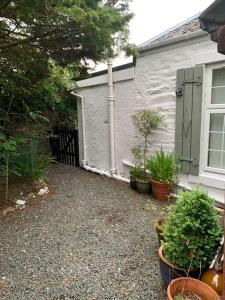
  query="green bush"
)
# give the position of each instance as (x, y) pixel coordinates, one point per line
(192, 230)
(31, 164)
(163, 167)
(8, 159)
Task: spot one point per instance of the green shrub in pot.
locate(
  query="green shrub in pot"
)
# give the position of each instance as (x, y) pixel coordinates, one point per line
(135, 173)
(192, 230)
(141, 179)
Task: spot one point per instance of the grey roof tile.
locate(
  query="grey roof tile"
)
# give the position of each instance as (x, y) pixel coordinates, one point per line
(188, 26)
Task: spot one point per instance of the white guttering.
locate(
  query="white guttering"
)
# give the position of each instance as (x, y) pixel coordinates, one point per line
(111, 99)
(173, 40)
(84, 161)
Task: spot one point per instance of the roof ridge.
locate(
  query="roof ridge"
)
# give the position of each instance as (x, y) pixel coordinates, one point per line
(169, 30)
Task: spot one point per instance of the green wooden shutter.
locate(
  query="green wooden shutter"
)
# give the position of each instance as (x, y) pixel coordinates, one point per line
(188, 118)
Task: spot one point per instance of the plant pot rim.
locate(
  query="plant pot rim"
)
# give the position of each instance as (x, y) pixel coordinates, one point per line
(161, 182)
(146, 180)
(195, 281)
(168, 262)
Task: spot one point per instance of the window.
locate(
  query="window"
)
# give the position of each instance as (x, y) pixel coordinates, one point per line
(215, 120)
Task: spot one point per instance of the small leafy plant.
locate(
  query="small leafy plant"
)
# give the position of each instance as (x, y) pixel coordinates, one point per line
(137, 172)
(163, 167)
(192, 230)
(144, 121)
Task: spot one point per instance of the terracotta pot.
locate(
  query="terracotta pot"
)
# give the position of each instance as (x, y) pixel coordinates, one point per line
(187, 284)
(169, 271)
(161, 190)
(144, 186)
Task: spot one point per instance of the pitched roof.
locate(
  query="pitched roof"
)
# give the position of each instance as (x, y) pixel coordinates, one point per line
(188, 26)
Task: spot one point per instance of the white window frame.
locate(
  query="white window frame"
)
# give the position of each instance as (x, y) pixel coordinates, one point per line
(210, 108)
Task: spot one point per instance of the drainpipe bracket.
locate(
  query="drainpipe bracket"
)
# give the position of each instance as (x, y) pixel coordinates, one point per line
(111, 98)
(112, 171)
(84, 163)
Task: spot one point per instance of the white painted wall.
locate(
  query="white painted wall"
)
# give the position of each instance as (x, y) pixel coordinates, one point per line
(152, 86)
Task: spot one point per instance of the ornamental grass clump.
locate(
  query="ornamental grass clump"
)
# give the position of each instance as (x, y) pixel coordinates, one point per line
(192, 231)
(163, 167)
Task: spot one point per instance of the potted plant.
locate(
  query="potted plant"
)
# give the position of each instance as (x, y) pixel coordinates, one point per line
(143, 182)
(135, 173)
(164, 170)
(192, 231)
(144, 121)
(190, 289)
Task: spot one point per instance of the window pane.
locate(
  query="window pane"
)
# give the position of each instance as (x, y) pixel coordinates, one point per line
(218, 95)
(218, 77)
(215, 141)
(216, 122)
(214, 159)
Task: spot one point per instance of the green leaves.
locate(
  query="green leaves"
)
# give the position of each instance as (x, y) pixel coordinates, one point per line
(192, 230)
(145, 121)
(162, 167)
(45, 46)
(31, 164)
(8, 158)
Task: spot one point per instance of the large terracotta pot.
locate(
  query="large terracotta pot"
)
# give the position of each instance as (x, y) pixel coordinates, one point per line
(161, 190)
(169, 271)
(186, 284)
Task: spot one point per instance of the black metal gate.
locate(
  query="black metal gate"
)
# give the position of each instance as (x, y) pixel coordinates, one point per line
(65, 146)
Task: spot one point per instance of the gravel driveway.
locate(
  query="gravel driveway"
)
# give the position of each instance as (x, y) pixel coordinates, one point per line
(92, 239)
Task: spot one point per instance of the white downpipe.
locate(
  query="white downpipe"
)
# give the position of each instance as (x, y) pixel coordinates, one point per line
(111, 99)
(84, 161)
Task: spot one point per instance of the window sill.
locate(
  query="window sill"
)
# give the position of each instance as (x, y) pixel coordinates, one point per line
(208, 180)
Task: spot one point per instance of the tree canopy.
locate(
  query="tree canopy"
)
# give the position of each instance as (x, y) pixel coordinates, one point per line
(45, 45)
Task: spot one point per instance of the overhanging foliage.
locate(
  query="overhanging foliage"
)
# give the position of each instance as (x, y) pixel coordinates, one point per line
(44, 46)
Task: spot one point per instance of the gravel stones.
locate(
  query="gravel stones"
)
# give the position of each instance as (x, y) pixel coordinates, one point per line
(94, 238)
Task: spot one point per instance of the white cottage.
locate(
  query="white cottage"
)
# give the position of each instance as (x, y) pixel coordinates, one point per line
(178, 73)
